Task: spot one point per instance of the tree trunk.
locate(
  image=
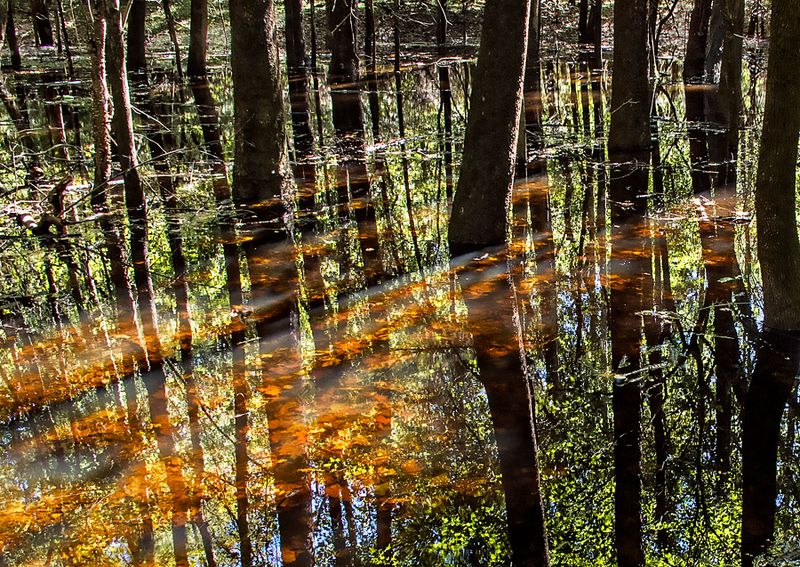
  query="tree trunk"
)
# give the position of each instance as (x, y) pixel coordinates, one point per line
(716, 35)
(342, 38)
(697, 41)
(778, 244)
(41, 22)
(198, 39)
(260, 159)
(630, 87)
(512, 407)
(173, 36)
(136, 204)
(779, 257)
(11, 37)
(298, 78)
(479, 206)
(137, 34)
(730, 90)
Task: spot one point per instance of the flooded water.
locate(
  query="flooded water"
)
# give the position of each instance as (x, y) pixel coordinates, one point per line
(348, 393)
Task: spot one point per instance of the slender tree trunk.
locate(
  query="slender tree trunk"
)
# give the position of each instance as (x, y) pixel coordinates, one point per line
(479, 206)
(154, 379)
(41, 22)
(65, 39)
(173, 36)
(11, 37)
(198, 38)
(298, 78)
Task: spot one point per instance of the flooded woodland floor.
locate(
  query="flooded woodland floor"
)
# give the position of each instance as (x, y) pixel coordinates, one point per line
(350, 394)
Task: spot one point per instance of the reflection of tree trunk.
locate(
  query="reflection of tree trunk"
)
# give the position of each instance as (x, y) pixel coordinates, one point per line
(446, 99)
(209, 123)
(778, 361)
(658, 295)
(629, 270)
(546, 272)
(162, 144)
(779, 256)
(153, 376)
(502, 372)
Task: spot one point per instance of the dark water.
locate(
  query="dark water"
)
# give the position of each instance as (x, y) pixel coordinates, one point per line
(366, 402)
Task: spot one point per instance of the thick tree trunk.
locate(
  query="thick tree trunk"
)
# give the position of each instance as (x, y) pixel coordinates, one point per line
(630, 87)
(198, 38)
(260, 159)
(343, 71)
(502, 372)
(697, 41)
(341, 15)
(778, 243)
(479, 206)
(137, 35)
(726, 108)
(779, 256)
(716, 35)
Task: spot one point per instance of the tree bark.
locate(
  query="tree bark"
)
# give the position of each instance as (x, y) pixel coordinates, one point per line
(779, 256)
(198, 39)
(41, 22)
(479, 207)
(697, 41)
(11, 37)
(298, 78)
(137, 34)
(630, 86)
(341, 15)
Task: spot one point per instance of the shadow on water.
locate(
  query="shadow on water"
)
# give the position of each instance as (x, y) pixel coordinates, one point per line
(337, 390)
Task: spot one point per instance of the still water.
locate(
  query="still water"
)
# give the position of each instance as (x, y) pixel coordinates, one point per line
(349, 394)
